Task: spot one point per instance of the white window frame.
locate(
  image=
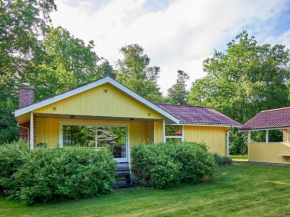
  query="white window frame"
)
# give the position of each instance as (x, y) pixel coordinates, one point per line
(97, 124)
(175, 137)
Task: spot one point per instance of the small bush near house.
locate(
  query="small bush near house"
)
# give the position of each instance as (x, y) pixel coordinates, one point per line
(59, 174)
(164, 165)
(222, 160)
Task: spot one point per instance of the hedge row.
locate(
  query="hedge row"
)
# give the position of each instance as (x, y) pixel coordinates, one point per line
(44, 174)
(165, 165)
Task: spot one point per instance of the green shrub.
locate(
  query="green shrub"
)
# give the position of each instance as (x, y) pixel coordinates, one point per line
(196, 161)
(44, 174)
(222, 160)
(11, 159)
(152, 167)
(164, 165)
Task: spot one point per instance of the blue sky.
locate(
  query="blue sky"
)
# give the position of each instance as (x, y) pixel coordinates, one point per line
(176, 34)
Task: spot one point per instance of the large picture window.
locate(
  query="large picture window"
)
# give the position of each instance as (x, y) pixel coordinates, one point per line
(173, 133)
(92, 135)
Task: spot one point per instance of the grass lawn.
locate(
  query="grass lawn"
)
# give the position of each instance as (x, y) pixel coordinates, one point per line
(239, 158)
(244, 190)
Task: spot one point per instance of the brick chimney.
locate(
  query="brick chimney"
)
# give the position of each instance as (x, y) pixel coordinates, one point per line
(26, 96)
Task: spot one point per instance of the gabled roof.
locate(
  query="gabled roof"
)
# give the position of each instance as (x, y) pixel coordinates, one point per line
(275, 118)
(198, 115)
(89, 86)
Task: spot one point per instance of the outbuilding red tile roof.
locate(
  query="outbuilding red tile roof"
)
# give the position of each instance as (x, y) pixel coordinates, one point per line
(197, 115)
(269, 119)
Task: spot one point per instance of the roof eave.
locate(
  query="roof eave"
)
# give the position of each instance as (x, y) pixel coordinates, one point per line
(210, 124)
(265, 128)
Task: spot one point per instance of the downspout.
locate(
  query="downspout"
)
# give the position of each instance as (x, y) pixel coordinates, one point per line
(24, 128)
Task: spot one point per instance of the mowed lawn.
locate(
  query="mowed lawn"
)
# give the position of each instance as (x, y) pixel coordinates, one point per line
(244, 190)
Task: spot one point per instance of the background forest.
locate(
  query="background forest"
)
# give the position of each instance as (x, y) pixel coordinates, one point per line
(240, 82)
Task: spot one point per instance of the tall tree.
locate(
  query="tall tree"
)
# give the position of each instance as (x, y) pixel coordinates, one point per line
(68, 62)
(244, 80)
(71, 54)
(177, 93)
(135, 73)
(21, 25)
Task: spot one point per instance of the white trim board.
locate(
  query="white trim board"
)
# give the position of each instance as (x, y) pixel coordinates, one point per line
(89, 86)
(263, 129)
(205, 125)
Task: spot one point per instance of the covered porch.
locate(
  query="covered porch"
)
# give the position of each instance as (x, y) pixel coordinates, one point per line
(269, 151)
(58, 131)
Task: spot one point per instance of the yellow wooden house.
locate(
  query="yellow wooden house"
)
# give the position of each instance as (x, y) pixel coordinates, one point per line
(105, 112)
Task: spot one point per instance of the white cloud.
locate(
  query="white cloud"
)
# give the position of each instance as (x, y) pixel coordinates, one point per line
(178, 37)
(283, 39)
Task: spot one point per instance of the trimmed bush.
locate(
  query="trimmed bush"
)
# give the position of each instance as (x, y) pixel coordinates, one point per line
(11, 159)
(222, 160)
(59, 174)
(196, 161)
(152, 167)
(164, 165)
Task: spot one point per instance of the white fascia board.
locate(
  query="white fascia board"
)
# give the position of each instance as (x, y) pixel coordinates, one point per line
(206, 125)
(263, 129)
(89, 86)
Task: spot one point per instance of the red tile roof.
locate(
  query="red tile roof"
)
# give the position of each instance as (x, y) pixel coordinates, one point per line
(269, 119)
(197, 115)
(178, 133)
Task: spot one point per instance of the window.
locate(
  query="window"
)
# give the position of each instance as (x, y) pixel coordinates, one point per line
(83, 136)
(91, 135)
(173, 133)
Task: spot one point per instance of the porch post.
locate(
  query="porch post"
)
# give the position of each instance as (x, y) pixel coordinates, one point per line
(31, 132)
(249, 137)
(228, 144)
(164, 140)
(287, 135)
(267, 136)
(249, 141)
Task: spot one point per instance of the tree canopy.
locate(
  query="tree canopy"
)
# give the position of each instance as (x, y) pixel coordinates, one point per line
(135, 73)
(22, 23)
(244, 80)
(177, 94)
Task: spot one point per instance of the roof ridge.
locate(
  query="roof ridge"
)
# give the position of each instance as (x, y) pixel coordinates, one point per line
(275, 109)
(182, 105)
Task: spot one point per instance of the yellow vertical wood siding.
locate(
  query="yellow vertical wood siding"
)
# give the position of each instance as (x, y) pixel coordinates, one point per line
(105, 100)
(47, 130)
(149, 132)
(213, 137)
(158, 132)
(268, 152)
